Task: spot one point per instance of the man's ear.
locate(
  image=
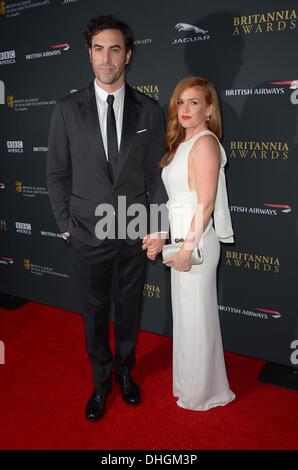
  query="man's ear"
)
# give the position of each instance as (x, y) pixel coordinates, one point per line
(128, 56)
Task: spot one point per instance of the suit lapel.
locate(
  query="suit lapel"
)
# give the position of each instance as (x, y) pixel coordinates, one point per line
(131, 114)
(89, 115)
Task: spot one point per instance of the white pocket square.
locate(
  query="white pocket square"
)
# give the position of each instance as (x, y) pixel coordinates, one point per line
(140, 131)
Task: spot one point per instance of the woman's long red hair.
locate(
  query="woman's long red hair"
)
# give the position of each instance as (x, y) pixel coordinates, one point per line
(175, 133)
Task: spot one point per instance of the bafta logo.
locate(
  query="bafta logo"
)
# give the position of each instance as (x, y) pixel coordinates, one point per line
(10, 101)
(2, 7)
(27, 263)
(19, 186)
(3, 226)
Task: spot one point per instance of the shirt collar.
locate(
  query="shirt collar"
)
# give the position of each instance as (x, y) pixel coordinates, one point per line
(103, 94)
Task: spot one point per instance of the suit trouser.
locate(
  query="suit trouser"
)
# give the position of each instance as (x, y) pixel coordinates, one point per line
(113, 269)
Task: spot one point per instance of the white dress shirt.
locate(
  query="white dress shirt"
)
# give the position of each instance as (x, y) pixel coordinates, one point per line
(102, 109)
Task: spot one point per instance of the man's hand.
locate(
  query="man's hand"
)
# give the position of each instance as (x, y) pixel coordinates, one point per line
(153, 243)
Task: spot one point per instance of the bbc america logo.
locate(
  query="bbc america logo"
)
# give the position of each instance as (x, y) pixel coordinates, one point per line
(7, 57)
(22, 227)
(15, 146)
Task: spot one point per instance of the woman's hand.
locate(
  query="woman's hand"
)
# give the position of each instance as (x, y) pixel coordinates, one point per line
(181, 261)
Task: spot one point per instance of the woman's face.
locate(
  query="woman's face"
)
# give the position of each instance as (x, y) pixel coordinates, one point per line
(192, 108)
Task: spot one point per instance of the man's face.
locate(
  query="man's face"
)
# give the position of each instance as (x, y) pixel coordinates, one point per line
(108, 57)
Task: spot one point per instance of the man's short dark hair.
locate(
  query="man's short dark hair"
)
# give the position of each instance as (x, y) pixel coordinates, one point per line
(95, 25)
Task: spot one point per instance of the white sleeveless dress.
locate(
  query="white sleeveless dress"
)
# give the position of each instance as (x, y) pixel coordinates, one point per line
(199, 374)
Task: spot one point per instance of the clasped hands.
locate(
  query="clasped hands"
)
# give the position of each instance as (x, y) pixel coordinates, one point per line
(153, 244)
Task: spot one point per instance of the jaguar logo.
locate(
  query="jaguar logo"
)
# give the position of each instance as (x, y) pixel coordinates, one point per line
(190, 27)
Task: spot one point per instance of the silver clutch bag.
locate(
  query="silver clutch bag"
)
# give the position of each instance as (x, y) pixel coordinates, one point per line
(172, 249)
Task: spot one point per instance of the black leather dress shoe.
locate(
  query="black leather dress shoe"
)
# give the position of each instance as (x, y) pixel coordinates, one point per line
(95, 407)
(129, 390)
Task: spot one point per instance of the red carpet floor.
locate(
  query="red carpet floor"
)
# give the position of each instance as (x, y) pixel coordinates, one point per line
(46, 381)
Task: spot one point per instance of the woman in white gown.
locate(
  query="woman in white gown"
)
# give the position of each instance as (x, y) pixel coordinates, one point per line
(193, 174)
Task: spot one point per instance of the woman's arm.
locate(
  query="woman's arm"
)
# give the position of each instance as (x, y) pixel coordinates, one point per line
(204, 165)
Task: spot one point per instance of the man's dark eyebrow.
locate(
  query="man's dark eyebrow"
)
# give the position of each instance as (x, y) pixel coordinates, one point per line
(111, 47)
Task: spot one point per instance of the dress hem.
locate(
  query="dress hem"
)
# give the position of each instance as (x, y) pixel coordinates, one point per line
(205, 407)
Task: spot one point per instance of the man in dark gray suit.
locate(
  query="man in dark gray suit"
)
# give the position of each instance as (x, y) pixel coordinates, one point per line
(105, 142)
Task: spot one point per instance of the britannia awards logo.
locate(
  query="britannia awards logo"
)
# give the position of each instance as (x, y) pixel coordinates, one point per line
(259, 313)
(2, 92)
(192, 33)
(149, 90)
(252, 262)
(283, 20)
(152, 291)
(258, 150)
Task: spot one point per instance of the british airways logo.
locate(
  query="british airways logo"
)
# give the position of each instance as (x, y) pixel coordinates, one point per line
(273, 313)
(257, 313)
(56, 49)
(285, 208)
(64, 46)
(267, 209)
(293, 84)
(5, 260)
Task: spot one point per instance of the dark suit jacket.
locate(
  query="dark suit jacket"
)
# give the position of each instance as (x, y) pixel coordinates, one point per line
(78, 174)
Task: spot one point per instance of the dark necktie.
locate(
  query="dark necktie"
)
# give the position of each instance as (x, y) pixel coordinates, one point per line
(112, 143)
